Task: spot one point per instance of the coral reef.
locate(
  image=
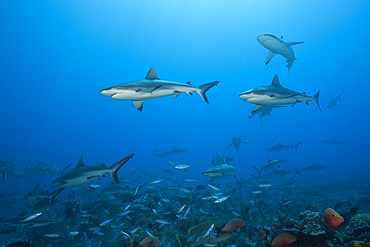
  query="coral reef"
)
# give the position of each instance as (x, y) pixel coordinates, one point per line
(359, 227)
(311, 223)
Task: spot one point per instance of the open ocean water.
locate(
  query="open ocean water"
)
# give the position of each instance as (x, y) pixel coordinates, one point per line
(56, 57)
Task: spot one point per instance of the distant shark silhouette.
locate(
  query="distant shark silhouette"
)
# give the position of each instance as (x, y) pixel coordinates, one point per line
(334, 101)
(152, 87)
(278, 46)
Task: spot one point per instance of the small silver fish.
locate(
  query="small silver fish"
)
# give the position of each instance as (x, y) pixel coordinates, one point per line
(32, 217)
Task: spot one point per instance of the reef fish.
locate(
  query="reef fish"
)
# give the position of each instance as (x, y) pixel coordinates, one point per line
(332, 218)
(233, 225)
(282, 239)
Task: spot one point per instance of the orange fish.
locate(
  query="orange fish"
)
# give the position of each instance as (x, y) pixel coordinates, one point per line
(282, 239)
(332, 218)
(233, 225)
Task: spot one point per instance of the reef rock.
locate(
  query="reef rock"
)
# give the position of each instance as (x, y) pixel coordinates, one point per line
(359, 227)
(311, 223)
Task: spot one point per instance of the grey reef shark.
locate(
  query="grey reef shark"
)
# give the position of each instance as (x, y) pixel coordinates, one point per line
(275, 94)
(278, 46)
(152, 87)
(334, 101)
(236, 141)
(83, 174)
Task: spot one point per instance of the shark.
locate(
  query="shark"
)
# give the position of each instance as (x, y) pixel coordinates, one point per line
(175, 150)
(219, 160)
(270, 165)
(279, 147)
(333, 142)
(334, 101)
(18, 221)
(5, 165)
(274, 174)
(152, 87)
(47, 169)
(236, 141)
(313, 167)
(83, 174)
(220, 171)
(38, 194)
(278, 46)
(275, 94)
(115, 189)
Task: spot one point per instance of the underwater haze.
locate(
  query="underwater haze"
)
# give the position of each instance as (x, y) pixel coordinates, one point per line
(57, 56)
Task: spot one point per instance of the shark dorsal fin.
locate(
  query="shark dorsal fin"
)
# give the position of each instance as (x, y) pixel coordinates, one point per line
(23, 212)
(314, 164)
(269, 160)
(217, 155)
(112, 182)
(174, 147)
(276, 82)
(188, 83)
(152, 74)
(40, 162)
(103, 165)
(37, 185)
(81, 161)
(279, 144)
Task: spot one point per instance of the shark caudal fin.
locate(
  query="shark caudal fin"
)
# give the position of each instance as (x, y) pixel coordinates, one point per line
(340, 95)
(322, 141)
(316, 100)
(54, 194)
(259, 171)
(204, 88)
(115, 167)
(65, 168)
(297, 171)
(296, 146)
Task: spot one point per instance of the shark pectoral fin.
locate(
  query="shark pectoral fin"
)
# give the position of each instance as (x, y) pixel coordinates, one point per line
(149, 90)
(269, 56)
(256, 108)
(138, 104)
(292, 43)
(176, 94)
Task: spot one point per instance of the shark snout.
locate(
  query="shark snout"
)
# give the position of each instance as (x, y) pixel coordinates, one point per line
(107, 92)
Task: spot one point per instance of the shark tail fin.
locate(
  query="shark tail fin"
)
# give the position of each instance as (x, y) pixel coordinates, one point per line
(296, 146)
(340, 95)
(115, 167)
(259, 171)
(297, 171)
(316, 100)
(54, 194)
(323, 141)
(65, 168)
(204, 88)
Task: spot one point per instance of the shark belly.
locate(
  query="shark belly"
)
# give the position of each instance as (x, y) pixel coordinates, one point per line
(139, 96)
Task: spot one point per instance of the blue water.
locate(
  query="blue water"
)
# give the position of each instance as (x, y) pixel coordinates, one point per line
(57, 55)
